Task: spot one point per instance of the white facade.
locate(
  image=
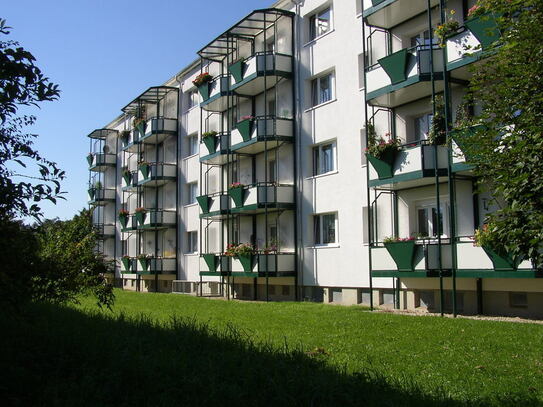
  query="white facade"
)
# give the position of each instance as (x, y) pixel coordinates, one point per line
(307, 82)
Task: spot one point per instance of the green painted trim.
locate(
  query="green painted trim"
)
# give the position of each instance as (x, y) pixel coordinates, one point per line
(410, 176)
(214, 214)
(258, 74)
(469, 273)
(260, 139)
(271, 205)
(392, 88)
(395, 65)
(457, 167)
(210, 273)
(459, 63)
(211, 156)
(214, 98)
(156, 178)
(155, 132)
(403, 274)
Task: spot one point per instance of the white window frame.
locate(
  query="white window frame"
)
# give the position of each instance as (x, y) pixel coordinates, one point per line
(316, 91)
(315, 30)
(193, 144)
(192, 242)
(319, 233)
(192, 99)
(317, 154)
(192, 192)
(429, 205)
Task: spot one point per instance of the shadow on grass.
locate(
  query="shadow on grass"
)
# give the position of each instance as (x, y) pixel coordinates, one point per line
(58, 356)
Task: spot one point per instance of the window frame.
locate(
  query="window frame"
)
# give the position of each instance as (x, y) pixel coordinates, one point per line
(192, 193)
(318, 229)
(314, 31)
(317, 157)
(193, 145)
(192, 242)
(429, 205)
(192, 99)
(316, 90)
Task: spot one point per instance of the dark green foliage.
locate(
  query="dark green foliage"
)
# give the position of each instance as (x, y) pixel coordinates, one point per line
(508, 153)
(54, 261)
(23, 84)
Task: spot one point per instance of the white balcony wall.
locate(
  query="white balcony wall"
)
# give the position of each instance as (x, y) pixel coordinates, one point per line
(460, 45)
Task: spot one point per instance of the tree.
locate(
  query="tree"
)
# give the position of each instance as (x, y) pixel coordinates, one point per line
(54, 261)
(23, 84)
(507, 151)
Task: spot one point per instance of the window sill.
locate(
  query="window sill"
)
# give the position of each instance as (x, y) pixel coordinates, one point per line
(317, 106)
(191, 254)
(314, 40)
(192, 108)
(190, 205)
(325, 246)
(322, 175)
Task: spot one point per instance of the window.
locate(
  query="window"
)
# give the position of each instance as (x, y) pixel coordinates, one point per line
(324, 158)
(192, 96)
(518, 300)
(422, 126)
(270, 44)
(325, 227)
(362, 63)
(321, 89)
(193, 192)
(428, 217)
(192, 142)
(272, 174)
(320, 23)
(192, 242)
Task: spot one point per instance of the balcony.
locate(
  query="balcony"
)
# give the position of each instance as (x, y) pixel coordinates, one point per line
(156, 174)
(480, 262)
(157, 129)
(389, 13)
(105, 230)
(100, 162)
(129, 180)
(470, 44)
(158, 265)
(214, 264)
(101, 196)
(130, 143)
(258, 198)
(412, 166)
(215, 94)
(259, 72)
(410, 259)
(262, 265)
(404, 76)
(155, 219)
(214, 206)
(252, 136)
(216, 149)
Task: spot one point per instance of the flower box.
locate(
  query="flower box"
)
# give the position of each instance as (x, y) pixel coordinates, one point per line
(90, 159)
(484, 28)
(383, 164)
(212, 261)
(395, 65)
(210, 141)
(144, 168)
(501, 262)
(237, 69)
(403, 254)
(238, 195)
(204, 202)
(127, 263)
(247, 261)
(245, 128)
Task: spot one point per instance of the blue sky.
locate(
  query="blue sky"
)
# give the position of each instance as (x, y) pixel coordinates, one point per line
(103, 53)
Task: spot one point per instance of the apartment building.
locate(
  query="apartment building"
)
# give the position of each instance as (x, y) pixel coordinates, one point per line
(246, 175)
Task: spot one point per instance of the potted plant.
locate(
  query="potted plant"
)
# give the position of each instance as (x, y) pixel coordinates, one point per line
(245, 127)
(209, 138)
(123, 217)
(144, 168)
(202, 83)
(402, 251)
(245, 255)
(445, 30)
(139, 124)
(381, 153)
(236, 190)
(97, 185)
(90, 158)
(144, 261)
(127, 176)
(486, 238)
(141, 214)
(127, 262)
(437, 133)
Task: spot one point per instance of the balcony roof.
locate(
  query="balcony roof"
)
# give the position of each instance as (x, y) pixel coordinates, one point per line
(101, 134)
(152, 95)
(247, 28)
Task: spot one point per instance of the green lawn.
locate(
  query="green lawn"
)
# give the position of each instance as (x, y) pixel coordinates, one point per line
(207, 352)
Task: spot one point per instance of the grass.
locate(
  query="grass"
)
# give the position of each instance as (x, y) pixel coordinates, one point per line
(163, 349)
